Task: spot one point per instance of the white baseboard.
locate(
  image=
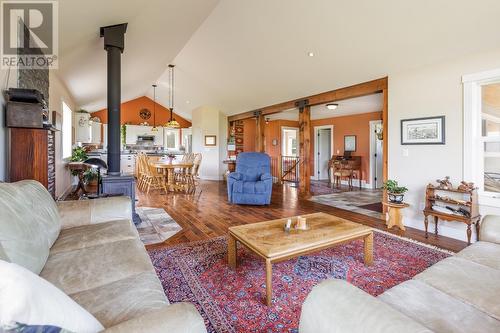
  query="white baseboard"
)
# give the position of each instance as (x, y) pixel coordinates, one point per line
(211, 177)
(65, 193)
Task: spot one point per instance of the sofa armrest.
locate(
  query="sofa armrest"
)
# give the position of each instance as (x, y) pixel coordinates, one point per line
(178, 318)
(337, 306)
(490, 229)
(81, 212)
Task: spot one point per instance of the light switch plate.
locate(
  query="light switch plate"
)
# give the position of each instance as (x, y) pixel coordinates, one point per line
(405, 152)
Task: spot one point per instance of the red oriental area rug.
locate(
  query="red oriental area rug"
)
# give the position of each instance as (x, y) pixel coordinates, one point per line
(233, 301)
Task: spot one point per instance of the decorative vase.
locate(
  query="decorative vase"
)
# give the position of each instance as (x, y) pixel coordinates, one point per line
(170, 160)
(396, 198)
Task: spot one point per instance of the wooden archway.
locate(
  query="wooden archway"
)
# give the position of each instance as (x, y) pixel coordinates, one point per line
(304, 105)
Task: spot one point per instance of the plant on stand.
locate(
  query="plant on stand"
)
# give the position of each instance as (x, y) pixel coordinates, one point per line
(394, 191)
(90, 179)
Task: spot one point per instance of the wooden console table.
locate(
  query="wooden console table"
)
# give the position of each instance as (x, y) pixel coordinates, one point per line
(470, 205)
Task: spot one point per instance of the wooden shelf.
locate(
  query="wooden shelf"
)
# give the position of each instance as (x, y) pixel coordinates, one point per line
(452, 202)
(471, 204)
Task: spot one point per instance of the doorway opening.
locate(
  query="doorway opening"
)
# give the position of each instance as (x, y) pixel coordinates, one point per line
(376, 155)
(323, 151)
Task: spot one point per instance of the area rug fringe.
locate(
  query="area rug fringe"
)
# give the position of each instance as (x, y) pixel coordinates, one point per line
(415, 242)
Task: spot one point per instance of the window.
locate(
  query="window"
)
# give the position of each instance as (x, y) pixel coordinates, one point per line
(66, 131)
(490, 136)
(171, 139)
(482, 134)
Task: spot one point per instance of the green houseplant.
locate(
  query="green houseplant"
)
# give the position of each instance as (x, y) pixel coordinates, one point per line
(90, 178)
(78, 154)
(394, 191)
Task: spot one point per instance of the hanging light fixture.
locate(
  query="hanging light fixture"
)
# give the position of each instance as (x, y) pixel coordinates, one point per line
(154, 129)
(172, 123)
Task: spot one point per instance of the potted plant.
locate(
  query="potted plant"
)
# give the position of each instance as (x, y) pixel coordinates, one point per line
(90, 179)
(394, 191)
(78, 154)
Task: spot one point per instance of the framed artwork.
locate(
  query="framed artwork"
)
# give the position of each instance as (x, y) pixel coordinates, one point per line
(210, 140)
(423, 131)
(350, 143)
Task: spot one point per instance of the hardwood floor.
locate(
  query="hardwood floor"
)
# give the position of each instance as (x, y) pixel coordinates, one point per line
(207, 215)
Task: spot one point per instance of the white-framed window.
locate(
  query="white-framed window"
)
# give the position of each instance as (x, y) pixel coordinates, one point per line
(66, 134)
(172, 137)
(482, 134)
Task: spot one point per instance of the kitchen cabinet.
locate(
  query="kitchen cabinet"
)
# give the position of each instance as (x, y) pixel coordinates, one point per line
(127, 164)
(82, 127)
(95, 133)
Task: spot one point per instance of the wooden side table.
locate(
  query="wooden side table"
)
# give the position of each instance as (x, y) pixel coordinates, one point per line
(394, 217)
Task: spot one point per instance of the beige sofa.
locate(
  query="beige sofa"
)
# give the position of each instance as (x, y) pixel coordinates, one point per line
(458, 294)
(92, 252)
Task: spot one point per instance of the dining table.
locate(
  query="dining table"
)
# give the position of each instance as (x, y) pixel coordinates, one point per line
(167, 169)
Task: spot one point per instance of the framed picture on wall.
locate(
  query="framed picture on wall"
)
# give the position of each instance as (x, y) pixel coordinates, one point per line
(423, 131)
(210, 140)
(350, 143)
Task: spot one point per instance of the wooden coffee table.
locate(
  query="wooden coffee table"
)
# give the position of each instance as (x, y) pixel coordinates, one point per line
(269, 240)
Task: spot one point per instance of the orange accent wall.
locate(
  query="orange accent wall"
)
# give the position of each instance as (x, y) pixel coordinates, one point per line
(130, 113)
(358, 125)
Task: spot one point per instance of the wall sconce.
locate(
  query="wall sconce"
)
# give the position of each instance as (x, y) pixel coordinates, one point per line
(267, 121)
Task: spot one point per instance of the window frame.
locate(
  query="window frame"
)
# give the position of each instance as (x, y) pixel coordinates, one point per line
(473, 150)
(66, 124)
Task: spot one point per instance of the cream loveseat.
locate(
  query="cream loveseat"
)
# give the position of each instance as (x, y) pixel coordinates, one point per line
(92, 252)
(458, 294)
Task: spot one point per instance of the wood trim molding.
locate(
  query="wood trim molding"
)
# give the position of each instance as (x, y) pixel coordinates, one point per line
(357, 90)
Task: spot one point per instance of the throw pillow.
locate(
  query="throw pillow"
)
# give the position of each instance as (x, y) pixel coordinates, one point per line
(27, 298)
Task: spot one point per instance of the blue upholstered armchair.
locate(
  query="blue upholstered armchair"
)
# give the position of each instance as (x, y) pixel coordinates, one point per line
(252, 182)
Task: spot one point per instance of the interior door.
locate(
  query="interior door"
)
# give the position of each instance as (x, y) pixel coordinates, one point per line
(379, 154)
(324, 151)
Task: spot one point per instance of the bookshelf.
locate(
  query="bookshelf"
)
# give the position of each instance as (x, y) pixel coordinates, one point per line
(464, 202)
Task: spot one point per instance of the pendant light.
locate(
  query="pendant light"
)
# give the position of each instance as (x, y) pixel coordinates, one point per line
(172, 123)
(154, 129)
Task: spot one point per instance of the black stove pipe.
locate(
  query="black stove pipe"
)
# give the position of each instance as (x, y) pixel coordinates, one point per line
(114, 43)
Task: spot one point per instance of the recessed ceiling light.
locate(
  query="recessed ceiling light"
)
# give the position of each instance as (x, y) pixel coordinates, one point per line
(332, 106)
(311, 54)
(187, 102)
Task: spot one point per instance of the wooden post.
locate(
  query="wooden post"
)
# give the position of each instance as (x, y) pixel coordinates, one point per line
(259, 132)
(304, 147)
(385, 142)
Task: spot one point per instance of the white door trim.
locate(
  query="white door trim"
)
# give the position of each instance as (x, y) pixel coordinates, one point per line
(316, 129)
(373, 123)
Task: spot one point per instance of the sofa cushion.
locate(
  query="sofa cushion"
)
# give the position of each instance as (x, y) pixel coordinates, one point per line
(125, 299)
(91, 267)
(24, 240)
(27, 298)
(436, 310)
(484, 253)
(468, 281)
(93, 234)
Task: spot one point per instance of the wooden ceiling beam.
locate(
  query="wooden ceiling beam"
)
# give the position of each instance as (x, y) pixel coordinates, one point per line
(357, 90)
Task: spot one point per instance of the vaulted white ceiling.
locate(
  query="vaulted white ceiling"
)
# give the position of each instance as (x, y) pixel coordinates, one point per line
(239, 55)
(157, 31)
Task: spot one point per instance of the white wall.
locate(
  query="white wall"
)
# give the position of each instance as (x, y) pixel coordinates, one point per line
(6, 81)
(57, 94)
(431, 91)
(210, 121)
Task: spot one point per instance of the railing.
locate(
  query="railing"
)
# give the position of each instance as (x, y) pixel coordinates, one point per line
(290, 169)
